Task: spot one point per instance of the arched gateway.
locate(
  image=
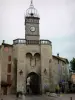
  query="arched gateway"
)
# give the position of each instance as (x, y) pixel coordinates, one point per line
(33, 83)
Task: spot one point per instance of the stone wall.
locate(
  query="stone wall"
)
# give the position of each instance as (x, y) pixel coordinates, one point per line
(46, 55)
(32, 58)
(26, 56)
(59, 71)
(23, 63)
(5, 52)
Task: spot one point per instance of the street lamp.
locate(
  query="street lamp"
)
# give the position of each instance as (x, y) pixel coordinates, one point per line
(21, 72)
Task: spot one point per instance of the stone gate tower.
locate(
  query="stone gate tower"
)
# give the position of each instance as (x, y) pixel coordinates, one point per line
(32, 56)
(32, 23)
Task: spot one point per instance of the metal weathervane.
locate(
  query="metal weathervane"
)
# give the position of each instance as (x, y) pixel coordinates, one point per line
(31, 4)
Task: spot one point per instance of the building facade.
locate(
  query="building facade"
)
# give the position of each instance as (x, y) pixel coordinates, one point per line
(60, 70)
(27, 65)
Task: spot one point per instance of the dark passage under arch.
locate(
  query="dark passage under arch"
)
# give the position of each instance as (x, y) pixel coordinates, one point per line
(34, 85)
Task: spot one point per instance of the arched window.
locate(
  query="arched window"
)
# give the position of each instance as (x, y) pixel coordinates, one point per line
(29, 56)
(37, 57)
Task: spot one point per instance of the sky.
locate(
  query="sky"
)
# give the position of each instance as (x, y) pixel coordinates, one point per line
(57, 23)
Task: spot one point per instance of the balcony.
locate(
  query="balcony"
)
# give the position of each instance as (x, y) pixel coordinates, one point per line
(30, 42)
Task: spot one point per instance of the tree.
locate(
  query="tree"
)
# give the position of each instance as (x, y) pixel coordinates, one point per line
(72, 64)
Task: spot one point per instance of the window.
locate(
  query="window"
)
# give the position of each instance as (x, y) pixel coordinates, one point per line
(9, 68)
(9, 79)
(9, 58)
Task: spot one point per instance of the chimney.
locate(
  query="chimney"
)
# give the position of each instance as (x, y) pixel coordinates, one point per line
(58, 54)
(3, 41)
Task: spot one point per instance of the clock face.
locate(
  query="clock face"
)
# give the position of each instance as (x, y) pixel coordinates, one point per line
(32, 29)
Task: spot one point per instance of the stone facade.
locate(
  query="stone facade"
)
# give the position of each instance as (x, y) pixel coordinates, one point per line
(31, 23)
(6, 51)
(40, 56)
(50, 68)
(60, 70)
(30, 58)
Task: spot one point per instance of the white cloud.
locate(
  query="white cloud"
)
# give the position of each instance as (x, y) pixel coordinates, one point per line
(57, 22)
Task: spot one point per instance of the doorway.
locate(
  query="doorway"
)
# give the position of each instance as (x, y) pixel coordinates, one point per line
(33, 83)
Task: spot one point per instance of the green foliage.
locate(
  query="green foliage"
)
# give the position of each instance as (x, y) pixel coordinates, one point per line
(72, 64)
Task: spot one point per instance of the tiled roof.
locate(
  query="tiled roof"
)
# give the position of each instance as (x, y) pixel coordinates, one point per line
(65, 59)
(61, 59)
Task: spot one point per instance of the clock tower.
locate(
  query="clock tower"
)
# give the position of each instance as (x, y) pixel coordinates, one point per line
(32, 23)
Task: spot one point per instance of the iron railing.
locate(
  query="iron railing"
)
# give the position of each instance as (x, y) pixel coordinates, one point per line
(24, 41)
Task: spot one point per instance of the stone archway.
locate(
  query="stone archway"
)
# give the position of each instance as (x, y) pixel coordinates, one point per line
(28, 55)
(33, 83)
(37, 55)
